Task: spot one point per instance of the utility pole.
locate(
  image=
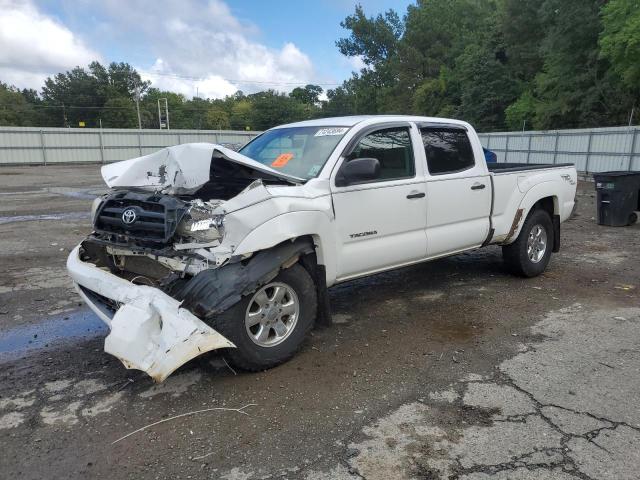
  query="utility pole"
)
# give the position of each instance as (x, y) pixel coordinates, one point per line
(137, 96)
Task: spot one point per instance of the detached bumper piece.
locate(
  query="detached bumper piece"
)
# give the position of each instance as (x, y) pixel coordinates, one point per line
(149, 329)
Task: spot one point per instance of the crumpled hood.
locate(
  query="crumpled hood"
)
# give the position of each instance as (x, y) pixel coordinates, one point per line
(181, 169)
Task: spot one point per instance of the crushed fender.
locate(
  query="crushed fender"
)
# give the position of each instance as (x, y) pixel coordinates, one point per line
(157, 343)
(150, 331)
(214, 291)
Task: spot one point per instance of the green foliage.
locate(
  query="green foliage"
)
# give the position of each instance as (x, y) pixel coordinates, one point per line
(217, 119)
(519, 112)
(240, 117)
(620, 40)
(309, 95)
(119, 112)
(375, 39)
(497, 63)
(271, 108)
(15, 110)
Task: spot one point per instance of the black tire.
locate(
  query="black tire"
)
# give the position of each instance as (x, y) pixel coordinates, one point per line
(633, 218)
(253, 357)
(516, 256)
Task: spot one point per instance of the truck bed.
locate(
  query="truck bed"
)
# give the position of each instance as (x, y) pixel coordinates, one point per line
(519, 167)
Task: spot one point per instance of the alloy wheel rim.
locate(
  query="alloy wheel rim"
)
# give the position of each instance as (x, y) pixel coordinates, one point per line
(272, 314)
(537, 243)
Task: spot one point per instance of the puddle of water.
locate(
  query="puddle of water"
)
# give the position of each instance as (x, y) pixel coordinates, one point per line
(19, 341)
(45, 216)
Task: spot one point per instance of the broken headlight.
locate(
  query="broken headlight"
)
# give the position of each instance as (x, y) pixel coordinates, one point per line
(200, 225)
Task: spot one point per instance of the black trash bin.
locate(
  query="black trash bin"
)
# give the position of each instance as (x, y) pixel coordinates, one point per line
(618, 197)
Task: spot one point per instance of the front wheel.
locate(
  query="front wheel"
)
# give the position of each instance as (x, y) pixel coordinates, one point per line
(529, 255)
(269, 326)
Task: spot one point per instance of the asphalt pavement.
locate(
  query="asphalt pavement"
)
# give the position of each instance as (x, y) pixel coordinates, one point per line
(449, 369)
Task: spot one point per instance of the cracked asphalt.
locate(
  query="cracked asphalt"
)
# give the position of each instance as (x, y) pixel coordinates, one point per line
(448, 370)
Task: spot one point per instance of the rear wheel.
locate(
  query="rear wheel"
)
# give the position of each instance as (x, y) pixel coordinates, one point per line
(529, 255)
(269, 326)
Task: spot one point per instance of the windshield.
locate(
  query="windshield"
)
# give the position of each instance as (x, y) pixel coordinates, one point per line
(297, 151)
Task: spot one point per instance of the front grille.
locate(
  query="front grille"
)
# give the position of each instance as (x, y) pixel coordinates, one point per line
(155, 217)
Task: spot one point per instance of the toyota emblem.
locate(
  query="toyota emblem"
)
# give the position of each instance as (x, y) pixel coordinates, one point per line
(129, 216)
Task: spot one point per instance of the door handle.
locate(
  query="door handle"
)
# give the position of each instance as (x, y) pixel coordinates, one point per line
(478, 186)
(416, 195)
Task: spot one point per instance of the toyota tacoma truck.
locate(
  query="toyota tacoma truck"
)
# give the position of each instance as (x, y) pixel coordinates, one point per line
(197, 247)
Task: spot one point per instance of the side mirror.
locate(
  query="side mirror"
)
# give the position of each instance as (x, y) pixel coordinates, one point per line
(358, 170)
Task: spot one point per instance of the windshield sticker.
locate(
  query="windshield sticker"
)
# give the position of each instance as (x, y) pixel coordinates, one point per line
(324, 132)
(313, 171)
(282, 160)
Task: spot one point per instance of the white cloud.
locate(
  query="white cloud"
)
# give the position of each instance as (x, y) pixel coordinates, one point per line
(205, 41)
(34, 46)
(162, 75)
(192, 46)
(357, 63)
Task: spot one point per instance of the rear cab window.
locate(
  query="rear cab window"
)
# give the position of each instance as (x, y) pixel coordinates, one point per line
(448, 150)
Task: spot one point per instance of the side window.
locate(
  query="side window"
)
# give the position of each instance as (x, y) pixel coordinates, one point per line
(448, 150)
(392, 148)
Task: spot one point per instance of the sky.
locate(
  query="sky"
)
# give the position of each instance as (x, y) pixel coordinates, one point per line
(209, 48)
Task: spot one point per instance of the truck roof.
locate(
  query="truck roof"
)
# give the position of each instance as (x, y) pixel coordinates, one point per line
(350, 121)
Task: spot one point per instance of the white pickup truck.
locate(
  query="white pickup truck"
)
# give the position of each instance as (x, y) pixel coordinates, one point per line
(198, 247)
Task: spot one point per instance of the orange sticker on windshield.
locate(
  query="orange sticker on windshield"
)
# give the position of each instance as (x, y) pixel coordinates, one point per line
(282, 160)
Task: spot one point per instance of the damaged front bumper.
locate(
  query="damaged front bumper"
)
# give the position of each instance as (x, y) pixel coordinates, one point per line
(149, 329)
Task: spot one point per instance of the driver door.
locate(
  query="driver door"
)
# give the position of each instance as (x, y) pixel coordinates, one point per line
(381, 223)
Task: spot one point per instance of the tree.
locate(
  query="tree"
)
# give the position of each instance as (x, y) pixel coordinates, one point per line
(119, 112)
(575, 87)
(217, 119)
(521, 111)
(15, 110)
(271, 108)
(309, 95)
(523, 31)
(241, 114)
(340, 102)
(487, 87)
(81, 94)
(375, 40)
(620, 40)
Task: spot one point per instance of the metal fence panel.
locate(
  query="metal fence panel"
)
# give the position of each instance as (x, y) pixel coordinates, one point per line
(29, 145)
(591, 150)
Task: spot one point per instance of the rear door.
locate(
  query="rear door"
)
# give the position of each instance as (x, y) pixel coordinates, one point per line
(381, 223)
(458, 191)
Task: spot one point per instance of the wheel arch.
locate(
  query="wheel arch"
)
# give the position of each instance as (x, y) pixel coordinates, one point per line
(313, 225)
(542, 196)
